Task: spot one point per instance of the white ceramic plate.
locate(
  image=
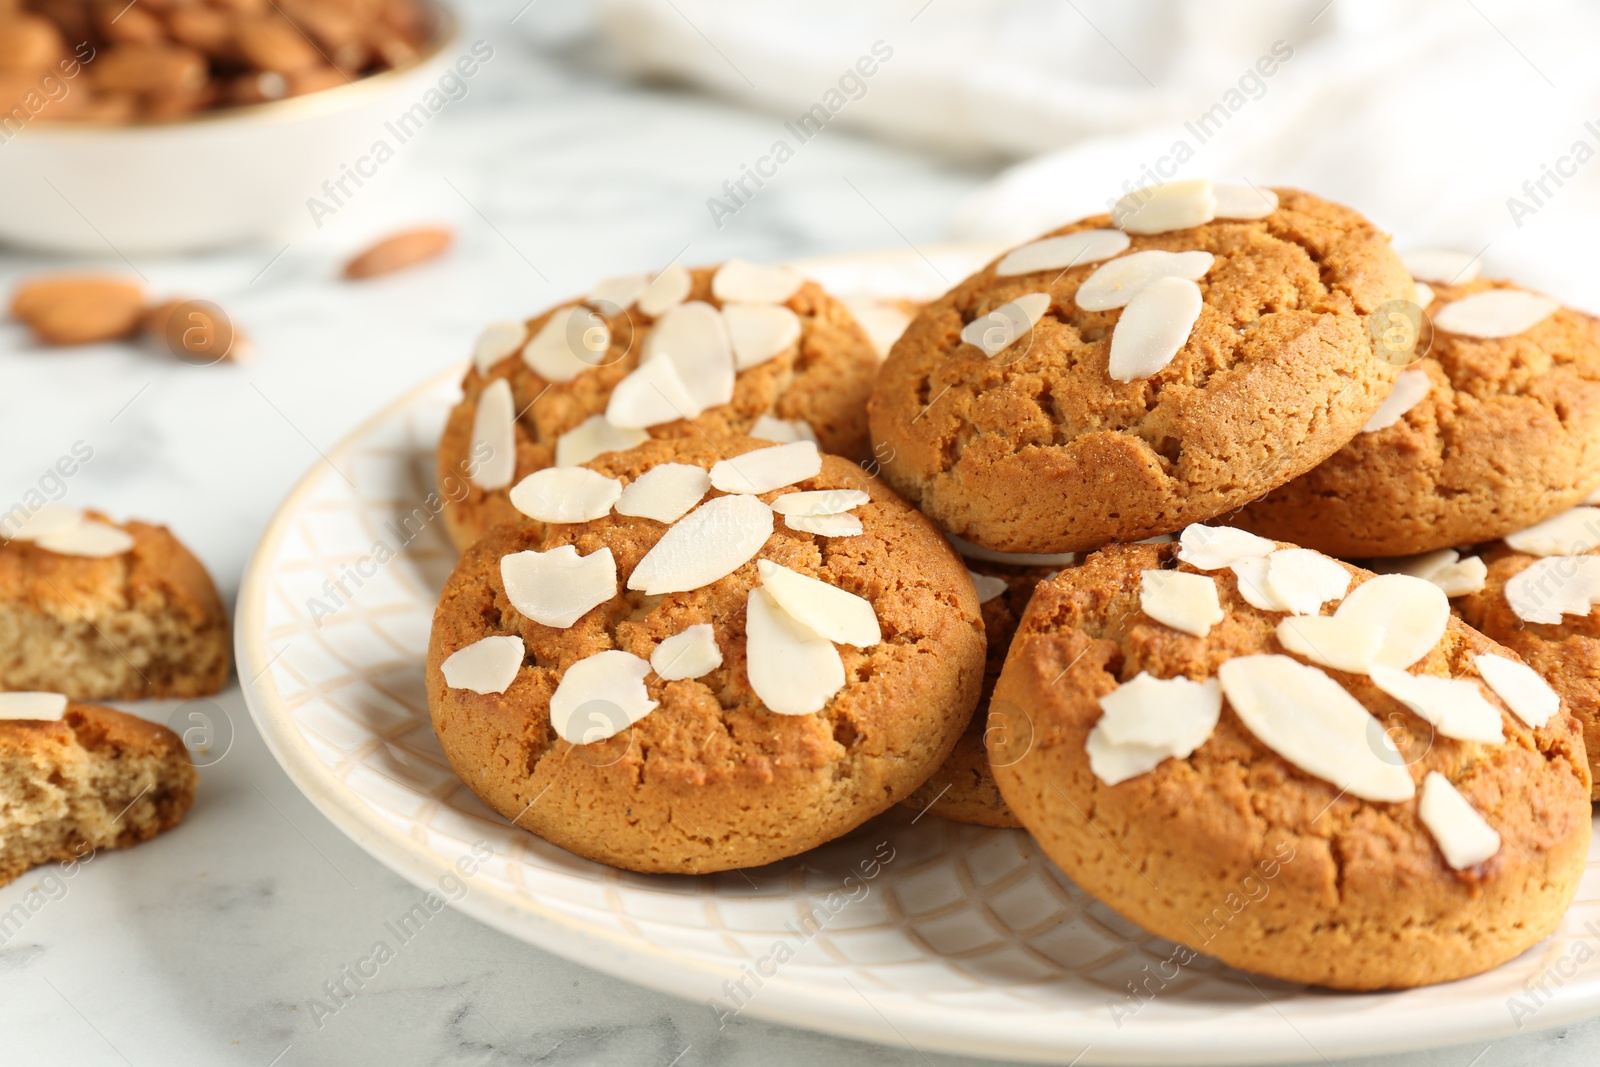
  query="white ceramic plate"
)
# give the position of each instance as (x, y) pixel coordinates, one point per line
(944, 937)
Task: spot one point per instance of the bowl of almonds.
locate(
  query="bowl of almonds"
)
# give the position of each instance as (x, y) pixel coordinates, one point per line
(167, 126)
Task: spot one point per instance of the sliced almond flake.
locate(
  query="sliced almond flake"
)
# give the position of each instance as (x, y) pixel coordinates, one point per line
(1528, 696)
(765, 469)
(565, 494)
(1570, 533)
(792, 668)
(593, 437)
(1342, 644)
(694, 337)
(1304, 580)
(1414, 614)
(1211, 548)
(820, 502)
(558, 587)
(782, 431)
(1012, 559)
(690, 653)
(1441, 266)
(1443, 567)
(1463, 835)
(1149, 720)
(1163, 208)
(666, 290)
(486, 666)
(1424, 295)
(883, 320)
(1495, 313)
(497, 341)
(740, 281)
(494, 431)
(600, 696)
(1063, 252)
(1244, 201)
(708, 544)
(49, 519)
(653, 394)
(1157, 539)
(37, 707)
(1118, 282)
(825, 525)
(573, 340)
(1310, 720)
(1153, 328)
(996, 331)
(1181, 600)
(1593, 497)
(1554, 586)
(1456, 707)
(664, 493)
(619, 291)
(759, 332)
(1251, 577)
(88, 540)
(988, 587)
(1409, 390)
(837, 614)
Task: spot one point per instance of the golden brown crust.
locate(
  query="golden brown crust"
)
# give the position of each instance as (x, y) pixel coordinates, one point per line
(97, 778)
(711, 780)
(963, 789)
(1508, 436)
(146, 624)
(823, 381)
(1567, 655)
(1020, 453)
(1236, 853)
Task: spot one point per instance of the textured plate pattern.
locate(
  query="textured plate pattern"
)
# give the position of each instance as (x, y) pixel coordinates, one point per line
(910, 930)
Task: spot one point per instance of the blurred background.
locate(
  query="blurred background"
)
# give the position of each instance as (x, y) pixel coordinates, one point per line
(559, 141)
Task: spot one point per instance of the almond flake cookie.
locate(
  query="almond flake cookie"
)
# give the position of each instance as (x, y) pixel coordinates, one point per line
(747, 349)
(1127, 375)
(703, 655)
(106, 611)
(1495, 429)
(1538, 597)
(1290, 764)
(78, 778)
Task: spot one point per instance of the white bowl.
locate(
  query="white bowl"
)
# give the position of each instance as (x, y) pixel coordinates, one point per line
(219, 178)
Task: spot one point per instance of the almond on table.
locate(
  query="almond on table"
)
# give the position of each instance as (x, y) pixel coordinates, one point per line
(79, 309)
(400, 251)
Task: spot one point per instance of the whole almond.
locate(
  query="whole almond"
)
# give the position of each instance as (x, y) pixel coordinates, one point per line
(80, 309)
(399, 252)
(204, 29)
(129, 23)
(149, 68)
(197, 332)
(28, 44)
(274, 44)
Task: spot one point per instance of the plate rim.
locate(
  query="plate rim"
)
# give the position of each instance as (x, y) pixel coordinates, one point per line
(804, 1005)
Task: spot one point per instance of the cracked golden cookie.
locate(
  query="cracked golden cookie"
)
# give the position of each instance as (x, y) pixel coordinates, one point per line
(703, 655)
(963, 789)
(106, 611)
(1496, 428)
(1290, 764)
(749, 350)
(1107, 384)
(1537, 595)
(79, 778)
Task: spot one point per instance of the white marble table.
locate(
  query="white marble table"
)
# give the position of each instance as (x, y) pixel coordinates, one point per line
(206, 946)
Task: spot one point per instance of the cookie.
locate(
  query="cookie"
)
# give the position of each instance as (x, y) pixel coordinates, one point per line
(1564, 649)
(717, 686)
(1021, 420)
(1483, 436)
(755, 350)
(1216, 780)
(80, 778)
(963, 789)
(106, 611)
